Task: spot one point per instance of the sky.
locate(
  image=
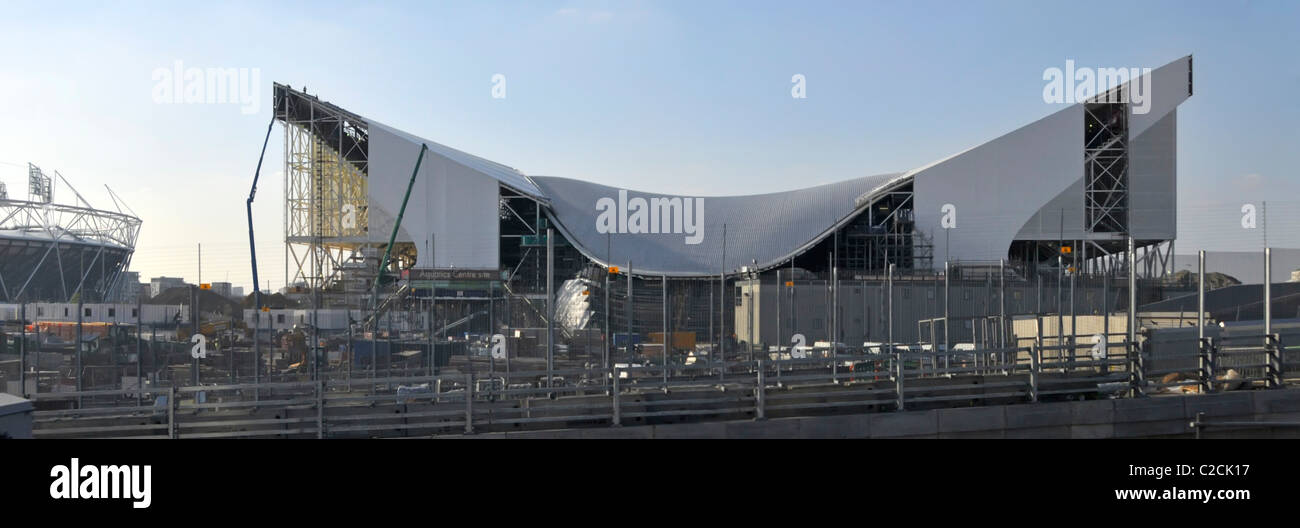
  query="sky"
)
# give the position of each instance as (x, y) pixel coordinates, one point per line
(689, 97)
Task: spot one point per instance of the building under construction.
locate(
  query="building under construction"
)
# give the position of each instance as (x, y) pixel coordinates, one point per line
(1056, 201)
(55, 252)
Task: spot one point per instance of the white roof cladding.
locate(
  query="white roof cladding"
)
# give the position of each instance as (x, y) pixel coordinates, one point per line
(1008, 188)
(764, 228)
(506, 175)
(1028, 184)
(451, 217)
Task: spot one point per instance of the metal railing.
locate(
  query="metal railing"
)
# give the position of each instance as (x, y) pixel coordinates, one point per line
(471, 402)
(1200, 424)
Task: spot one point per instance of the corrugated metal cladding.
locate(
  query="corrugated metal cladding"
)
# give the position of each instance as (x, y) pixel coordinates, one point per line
(764, 228)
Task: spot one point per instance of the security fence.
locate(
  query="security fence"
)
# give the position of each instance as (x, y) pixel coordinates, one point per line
(481, 398)
(744, 344)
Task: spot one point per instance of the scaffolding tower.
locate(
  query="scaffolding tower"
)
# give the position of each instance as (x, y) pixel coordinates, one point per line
(326, 202)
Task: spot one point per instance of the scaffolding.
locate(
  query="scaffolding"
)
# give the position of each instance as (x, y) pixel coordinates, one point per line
(1105, 154)
(885, 233)
(326, 217)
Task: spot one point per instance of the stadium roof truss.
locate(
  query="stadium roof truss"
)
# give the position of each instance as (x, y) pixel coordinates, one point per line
(56, 251)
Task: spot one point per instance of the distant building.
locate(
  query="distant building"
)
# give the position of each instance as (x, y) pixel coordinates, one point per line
(237, 292)
(128, 288)
(221, 288)
(157, 285)
(297, 287)
(1295, 276)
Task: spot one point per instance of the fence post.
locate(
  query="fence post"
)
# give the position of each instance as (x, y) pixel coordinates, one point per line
(1272, 363)
(898, 376)
(618, 411)
(78, 347)
(36, 354)
(1137, 369)
(1035, 367)
(1280, 357)
(668, 340)
(1202, 358)
(1205, 349)
(469, 403)
(1273, 357)
(22, 353)
(760, 393)
(550, 306)
(171, 412)
(320, 408)
(1105, 322)
(947, 290)
(139, 355)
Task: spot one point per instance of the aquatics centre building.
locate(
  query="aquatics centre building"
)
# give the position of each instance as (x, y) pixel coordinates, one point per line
(1062, 194)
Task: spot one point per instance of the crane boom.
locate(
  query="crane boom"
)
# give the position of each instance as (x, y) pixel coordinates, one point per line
(392, 238)
(252, 248)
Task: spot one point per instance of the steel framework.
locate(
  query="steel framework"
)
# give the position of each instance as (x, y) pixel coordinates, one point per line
(326, 183)
(1105, 154)
(54, 252)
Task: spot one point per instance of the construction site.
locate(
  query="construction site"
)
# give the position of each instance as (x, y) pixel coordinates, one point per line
(436, 293)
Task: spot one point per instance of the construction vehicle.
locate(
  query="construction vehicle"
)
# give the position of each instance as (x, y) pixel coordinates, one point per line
(209, 330)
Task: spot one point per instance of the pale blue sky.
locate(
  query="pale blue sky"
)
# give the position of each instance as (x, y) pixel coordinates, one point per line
(688, 97)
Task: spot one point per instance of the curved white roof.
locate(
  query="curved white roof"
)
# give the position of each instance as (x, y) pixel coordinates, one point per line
(762, 230)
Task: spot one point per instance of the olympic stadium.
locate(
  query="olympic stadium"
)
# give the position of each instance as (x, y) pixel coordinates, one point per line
(57, 252)
(1060, 196)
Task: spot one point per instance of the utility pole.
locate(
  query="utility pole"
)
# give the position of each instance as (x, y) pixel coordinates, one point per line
(608, 261)
(1136, 377)
(722, 308)
(194, 327)
(753, 300)
(1207, 377)
(780, 289)
(80, 299)
(139, 371)
(550, 305)
(22, 353)
(627, 345)
(947, 313)
(667, 337)
(1002, 303)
